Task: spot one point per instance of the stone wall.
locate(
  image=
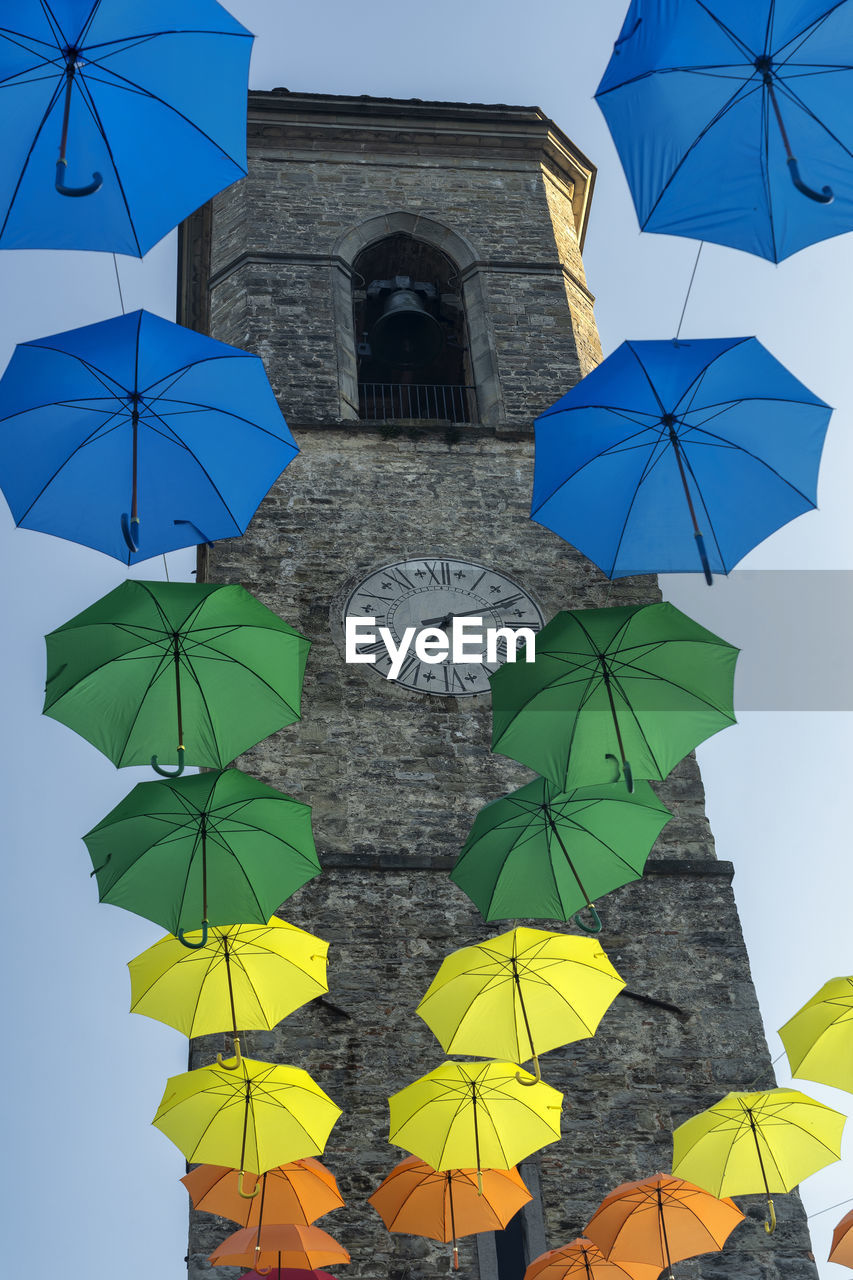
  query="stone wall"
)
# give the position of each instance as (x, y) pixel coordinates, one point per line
(396, 777)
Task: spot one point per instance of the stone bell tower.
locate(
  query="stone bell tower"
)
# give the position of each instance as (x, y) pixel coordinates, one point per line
(411, 274)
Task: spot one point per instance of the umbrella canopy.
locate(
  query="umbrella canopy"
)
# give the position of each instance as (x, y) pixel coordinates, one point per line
(659, 1220)
(819, 1038)
(475, 1115)
(842, 1242)
(753, 1142)
(209, 664)
(221, 846)
(251, 1119)
(633, 688)
(541, 853)
(242, 976)
(716, 106)
(136, 436)
(520, 994)
(419, 1201)
(299, 1192)
(582, 1260)
(276, 1245)
(678, 456)
(146, 105)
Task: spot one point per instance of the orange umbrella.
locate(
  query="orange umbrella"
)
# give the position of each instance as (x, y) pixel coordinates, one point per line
(582, 1260)
(419, 1201)
(659, 1220)
(304, 1248)
(299, 1192)
(842, 1242)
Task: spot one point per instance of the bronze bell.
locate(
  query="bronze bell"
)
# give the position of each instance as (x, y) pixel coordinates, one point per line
(406, 335)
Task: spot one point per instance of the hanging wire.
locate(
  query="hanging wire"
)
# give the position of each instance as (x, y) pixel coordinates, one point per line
(166, 567)
(829, 1208)
(118, 282)
(689, 287)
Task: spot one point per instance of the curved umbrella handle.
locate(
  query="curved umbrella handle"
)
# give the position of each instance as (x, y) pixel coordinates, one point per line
(824, 196)
(595, 927)
(169, 773)
(770, 1224)
(130, 535)
(88, 190)
(230, 1066)
(248, 1195)
(529, 1083)
(193, 946)
(625, 771)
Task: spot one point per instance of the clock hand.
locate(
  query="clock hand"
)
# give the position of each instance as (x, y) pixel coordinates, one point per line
(470, 613)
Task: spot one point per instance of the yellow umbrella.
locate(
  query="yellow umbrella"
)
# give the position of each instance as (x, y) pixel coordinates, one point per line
(466, 1115)
(753, 1142)
(819, 1038)
(520, 994)
(251, 1119)
(243, 975)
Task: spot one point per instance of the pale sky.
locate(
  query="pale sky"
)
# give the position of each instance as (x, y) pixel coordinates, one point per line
(83, 1076)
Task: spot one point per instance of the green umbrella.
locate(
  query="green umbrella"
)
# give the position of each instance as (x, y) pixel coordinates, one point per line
(544, 854)
(632, 688)
(209, 664)
(216, 848)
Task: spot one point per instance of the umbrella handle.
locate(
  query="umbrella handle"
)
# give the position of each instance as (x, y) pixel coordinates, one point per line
(595, 927)
(456, 1257)
(530, 1083)
(824, 196)
(169, 773)
(130, 535)
(625, 770)
(200, 532)
(59, 182)
(703, 556)
(770, 1224)
(230, 1066)
(249, 1195)
(624, 39)
(193, 946)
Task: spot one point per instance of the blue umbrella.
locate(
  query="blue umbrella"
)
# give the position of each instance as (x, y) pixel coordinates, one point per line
(136, 424)
(675, 456)
(143, 103)
(715, 105)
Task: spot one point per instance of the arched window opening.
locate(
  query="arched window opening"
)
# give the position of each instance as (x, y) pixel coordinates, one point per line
(411, 335)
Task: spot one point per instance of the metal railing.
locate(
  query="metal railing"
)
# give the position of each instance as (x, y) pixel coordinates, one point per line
(386, 401)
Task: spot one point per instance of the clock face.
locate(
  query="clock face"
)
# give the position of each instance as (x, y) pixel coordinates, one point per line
(429, 592)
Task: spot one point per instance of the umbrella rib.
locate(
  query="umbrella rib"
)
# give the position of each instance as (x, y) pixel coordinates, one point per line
(651, 462)
(181, 370)
(112, 385)
(129, 86)
(49, 108)
(214, 486)
(228, 413)
(795, 98)
(805, 35)
(93, 111)
(723, 110)
(721, 440)
(96, 434)
(53, 23)
(741, 45)
(162, 667)
(616, 447)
